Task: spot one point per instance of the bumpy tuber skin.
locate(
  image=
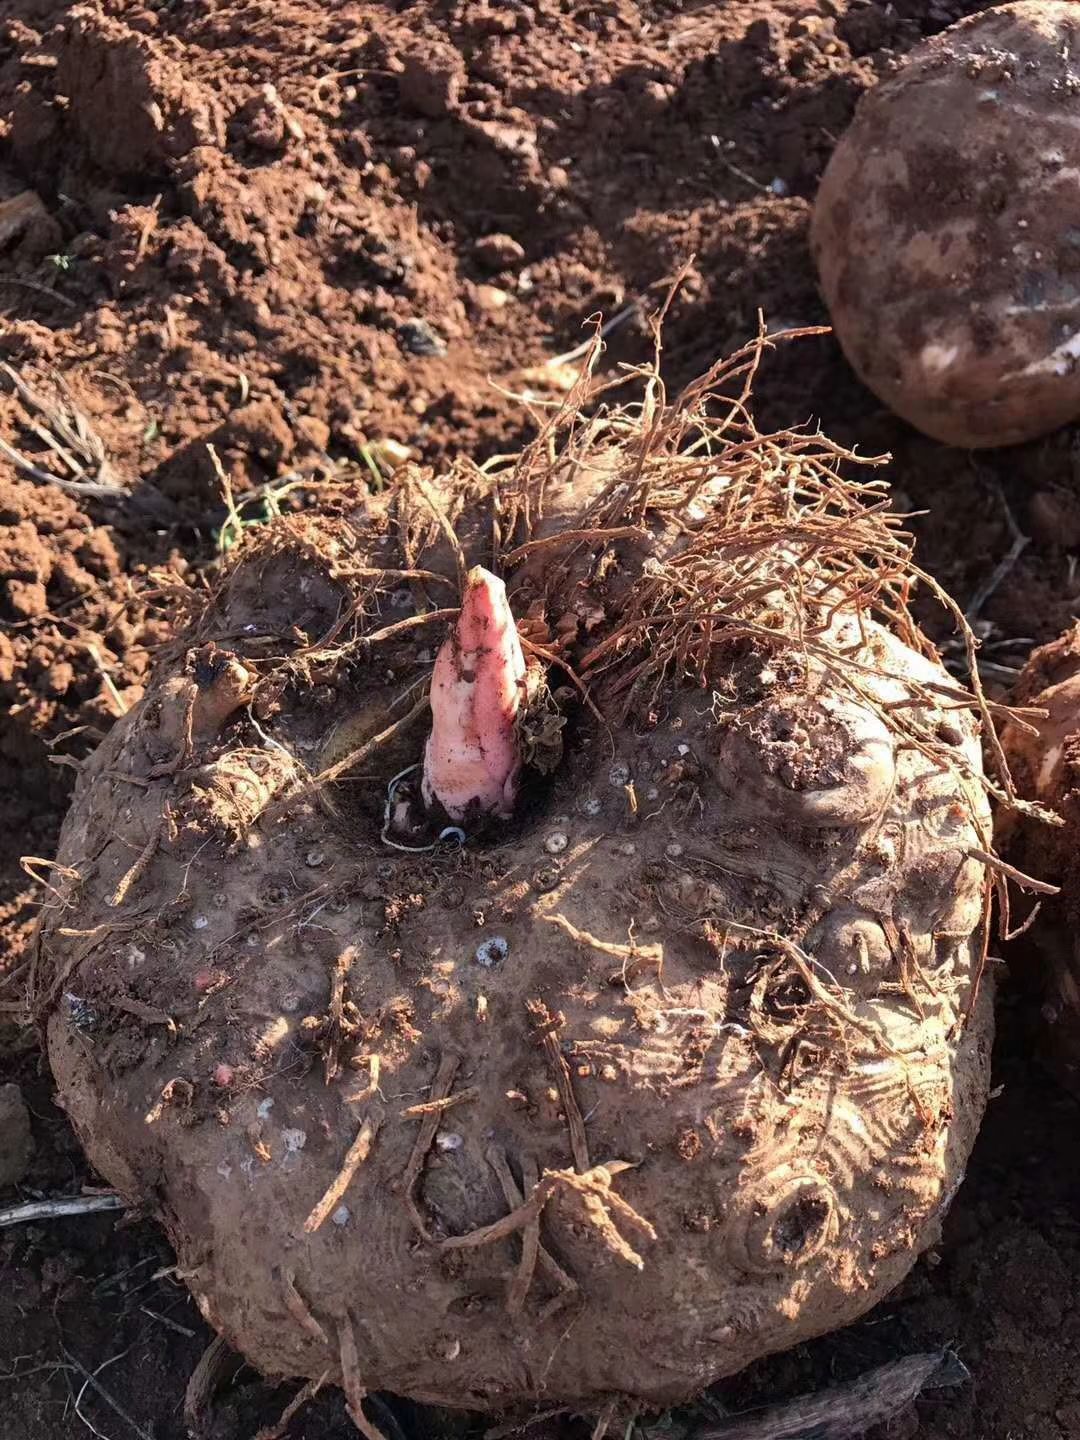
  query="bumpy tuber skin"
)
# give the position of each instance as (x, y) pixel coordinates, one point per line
(472, 761)
(682, 1068)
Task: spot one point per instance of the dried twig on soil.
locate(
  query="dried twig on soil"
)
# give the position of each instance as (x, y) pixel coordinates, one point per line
(845, 1412)
(148, 1014)
(566, 1286)
(579, 352)
(61, 1208)
(434, 501)
(116, 701)
(439, 1107)
(744, 175)
(519, 1427)
(350, 612)
(91, 1382)
(429, 1124)
(38, 289)
(355, 1393)
(509, 1224)
(69, 435)
(402, 627)
(212, 1369)
(576, 537)
(139, 867)
(545, 1033)
(170, 1324)
(530, 1243)
(305, 1394)
(636, 959)
(597, 1198)
(1020, 542)
(9, 977)
(335, 1030)
(1022, 881)
(603, 1420)
(299, 1309)
(358, 756)
(358, 1152)
(374, 1065)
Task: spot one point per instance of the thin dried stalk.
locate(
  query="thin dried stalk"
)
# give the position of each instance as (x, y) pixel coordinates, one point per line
(59, 1209)
(358, 1152)
(429, 1125)
(65, 430)
(546, 1027)
(566, 1286)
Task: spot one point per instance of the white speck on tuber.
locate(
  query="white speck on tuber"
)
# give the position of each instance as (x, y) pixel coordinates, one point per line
(473, 760)
(491, 952)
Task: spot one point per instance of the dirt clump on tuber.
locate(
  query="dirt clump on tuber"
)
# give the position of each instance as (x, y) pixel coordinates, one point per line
(946, 230)
(573, 1010)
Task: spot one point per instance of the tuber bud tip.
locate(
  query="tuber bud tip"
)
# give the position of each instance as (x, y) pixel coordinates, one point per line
(472, 761)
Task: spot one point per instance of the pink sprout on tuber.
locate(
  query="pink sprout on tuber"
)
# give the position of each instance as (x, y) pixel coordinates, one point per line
(473, 760)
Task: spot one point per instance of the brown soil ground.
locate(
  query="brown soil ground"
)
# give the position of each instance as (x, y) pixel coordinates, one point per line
(300, 231)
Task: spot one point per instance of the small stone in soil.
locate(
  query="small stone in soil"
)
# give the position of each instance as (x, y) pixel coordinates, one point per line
(420, 338)
(490, 297)
(498, 252)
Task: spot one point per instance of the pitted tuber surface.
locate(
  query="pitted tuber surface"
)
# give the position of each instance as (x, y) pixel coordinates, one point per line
(946, 230)
(678, 1065)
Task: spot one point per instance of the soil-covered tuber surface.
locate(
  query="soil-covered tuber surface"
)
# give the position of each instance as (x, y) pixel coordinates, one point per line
(430, 199)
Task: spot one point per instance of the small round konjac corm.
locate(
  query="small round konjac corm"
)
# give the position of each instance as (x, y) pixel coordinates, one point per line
(947, 230)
